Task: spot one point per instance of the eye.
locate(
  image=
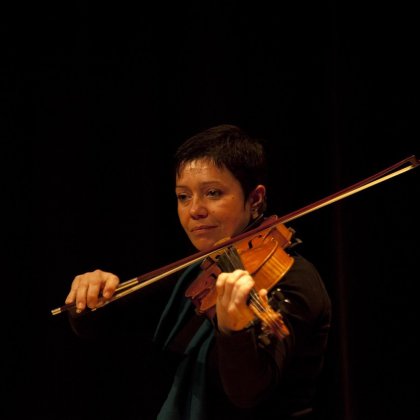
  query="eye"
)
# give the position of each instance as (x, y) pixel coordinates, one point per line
(182, 197)
(213, 193)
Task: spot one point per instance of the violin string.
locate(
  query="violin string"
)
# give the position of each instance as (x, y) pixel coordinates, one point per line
(269, 316)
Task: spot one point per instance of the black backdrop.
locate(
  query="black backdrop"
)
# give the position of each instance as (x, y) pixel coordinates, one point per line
(96, 100)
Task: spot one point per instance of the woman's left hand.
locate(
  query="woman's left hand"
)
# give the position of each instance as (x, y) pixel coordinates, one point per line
(233, 313)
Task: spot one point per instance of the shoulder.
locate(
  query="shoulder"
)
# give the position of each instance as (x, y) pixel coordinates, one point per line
(303, 273)
(303, 267)
(304, 288)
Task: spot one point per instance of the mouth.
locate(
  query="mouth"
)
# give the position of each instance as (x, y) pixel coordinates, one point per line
(199, 229)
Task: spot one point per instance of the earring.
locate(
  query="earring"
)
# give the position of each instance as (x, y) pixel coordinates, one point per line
(254, 212)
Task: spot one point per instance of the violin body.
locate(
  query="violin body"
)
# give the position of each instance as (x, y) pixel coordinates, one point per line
(263, 255)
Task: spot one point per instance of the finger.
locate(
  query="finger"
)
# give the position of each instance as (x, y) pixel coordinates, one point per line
(225, 284)
(71, 297)
(263, 295)
(81, 291)
(78, 290)
(93, 294)
(111, 283)
(220, 283)
(241, 289)
(100, 289)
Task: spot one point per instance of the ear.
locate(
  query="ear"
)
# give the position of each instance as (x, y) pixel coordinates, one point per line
(257, 196)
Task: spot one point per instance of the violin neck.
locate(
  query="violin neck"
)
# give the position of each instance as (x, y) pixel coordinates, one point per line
(229, 260)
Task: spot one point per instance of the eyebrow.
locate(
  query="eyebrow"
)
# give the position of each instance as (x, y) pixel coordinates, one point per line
(202, 184)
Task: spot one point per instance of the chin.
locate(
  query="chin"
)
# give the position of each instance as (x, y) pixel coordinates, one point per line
(202, 245)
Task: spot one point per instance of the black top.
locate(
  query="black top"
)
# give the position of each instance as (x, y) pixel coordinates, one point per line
(249, 377)
(243, 375)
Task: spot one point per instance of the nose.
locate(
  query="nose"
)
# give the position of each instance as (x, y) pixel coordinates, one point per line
(198, 209)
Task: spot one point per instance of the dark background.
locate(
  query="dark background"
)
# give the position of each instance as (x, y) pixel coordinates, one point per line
(96, 99)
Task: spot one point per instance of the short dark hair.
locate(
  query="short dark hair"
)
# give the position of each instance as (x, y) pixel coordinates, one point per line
(231, 147)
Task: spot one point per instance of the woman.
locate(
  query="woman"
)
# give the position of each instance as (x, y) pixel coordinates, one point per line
(227, 364)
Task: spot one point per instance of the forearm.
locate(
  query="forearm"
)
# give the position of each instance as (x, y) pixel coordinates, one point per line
(248, 372)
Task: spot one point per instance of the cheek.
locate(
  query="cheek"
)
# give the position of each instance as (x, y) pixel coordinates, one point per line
(183, 217)
(236, 221)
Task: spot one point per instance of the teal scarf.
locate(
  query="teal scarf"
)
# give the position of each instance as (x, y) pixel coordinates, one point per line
(186, 398)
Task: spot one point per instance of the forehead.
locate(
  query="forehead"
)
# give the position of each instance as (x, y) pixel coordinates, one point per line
(199, 165)
(205, 168)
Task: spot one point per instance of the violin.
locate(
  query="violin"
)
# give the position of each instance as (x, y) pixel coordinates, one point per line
(261, 251)
(264, 256)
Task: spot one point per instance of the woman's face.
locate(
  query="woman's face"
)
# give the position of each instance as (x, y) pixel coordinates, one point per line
(211, 204)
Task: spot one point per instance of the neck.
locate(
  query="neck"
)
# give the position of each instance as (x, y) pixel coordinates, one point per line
(254, 223)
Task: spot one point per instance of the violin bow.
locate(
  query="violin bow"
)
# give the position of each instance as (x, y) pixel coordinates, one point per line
(137, 283)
